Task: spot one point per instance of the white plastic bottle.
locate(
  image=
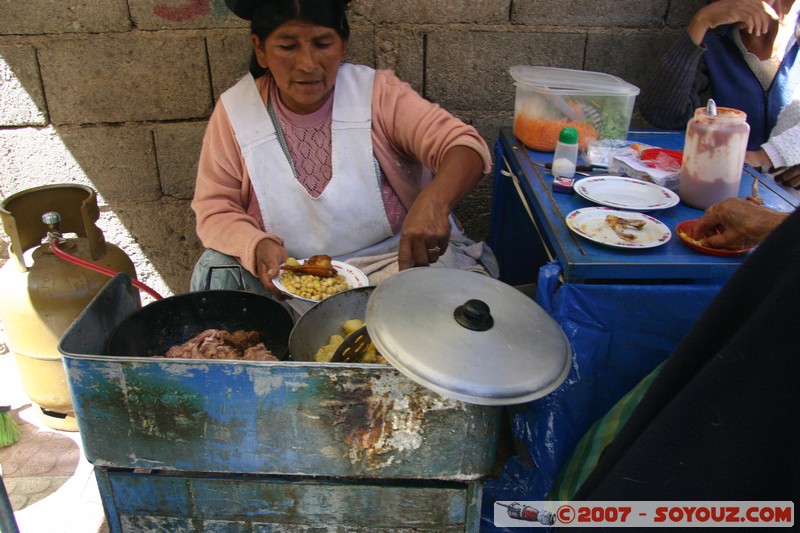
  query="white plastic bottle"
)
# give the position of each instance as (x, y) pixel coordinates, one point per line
(565, 157)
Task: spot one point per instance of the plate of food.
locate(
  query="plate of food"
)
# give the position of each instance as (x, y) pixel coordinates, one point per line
(684, 230)
(626, 193)
(316, 278)
(620, 229)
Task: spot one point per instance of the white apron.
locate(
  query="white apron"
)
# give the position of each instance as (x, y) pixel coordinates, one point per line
(349, 217)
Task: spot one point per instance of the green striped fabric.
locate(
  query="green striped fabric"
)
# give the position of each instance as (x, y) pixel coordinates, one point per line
(586, 454)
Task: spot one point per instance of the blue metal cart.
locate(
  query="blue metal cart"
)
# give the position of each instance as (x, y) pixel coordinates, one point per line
(199, 445)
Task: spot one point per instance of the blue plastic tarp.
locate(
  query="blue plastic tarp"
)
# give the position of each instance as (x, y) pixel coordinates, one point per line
(619, 333)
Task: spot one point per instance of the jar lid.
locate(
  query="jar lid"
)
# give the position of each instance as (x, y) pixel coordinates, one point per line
(723, 114)
(568, 135)
(467, 336)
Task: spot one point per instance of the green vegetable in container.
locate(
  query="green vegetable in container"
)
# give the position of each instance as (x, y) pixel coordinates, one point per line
(615, 118)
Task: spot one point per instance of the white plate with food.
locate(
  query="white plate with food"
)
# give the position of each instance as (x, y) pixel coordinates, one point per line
(626, 193)
(620, 229)
(316, 278)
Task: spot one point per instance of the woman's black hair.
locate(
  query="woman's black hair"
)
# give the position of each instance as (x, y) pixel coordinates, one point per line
(270, 14)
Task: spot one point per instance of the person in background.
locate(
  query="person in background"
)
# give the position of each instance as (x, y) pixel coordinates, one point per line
(779, 156)
(310, 155)
(742, 53)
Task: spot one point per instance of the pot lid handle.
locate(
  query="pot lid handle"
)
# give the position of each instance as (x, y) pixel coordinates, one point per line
(474, 315)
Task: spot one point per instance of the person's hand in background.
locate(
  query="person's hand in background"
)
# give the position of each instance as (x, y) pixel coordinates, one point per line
(751, 16)
(735, 224)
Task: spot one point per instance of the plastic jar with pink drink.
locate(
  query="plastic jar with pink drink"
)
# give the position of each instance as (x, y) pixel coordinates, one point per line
(713, 155)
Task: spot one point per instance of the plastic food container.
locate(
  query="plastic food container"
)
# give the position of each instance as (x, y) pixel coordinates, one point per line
(598, 105)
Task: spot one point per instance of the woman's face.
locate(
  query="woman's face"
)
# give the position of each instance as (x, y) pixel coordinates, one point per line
(303, 59)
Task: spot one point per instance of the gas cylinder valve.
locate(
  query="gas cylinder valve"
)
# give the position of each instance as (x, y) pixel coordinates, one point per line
(53, 220)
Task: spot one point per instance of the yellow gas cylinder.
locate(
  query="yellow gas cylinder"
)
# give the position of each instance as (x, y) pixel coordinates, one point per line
(42, 294)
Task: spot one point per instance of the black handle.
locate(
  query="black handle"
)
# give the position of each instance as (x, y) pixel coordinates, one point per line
(474, 315)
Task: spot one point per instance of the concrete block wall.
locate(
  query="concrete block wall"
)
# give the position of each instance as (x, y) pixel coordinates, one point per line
(116, 94)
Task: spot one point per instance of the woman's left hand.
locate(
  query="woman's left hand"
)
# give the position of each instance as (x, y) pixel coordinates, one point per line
(426, 232)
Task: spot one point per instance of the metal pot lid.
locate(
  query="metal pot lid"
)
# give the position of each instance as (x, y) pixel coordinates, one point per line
(467, 336)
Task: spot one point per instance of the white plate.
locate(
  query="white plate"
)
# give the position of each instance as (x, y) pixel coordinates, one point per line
(353, 276)
(626, 193)
(591, 224)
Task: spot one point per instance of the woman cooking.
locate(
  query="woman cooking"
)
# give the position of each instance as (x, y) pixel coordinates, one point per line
(308, 155)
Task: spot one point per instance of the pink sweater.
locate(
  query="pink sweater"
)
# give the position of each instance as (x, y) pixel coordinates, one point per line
(408, 133)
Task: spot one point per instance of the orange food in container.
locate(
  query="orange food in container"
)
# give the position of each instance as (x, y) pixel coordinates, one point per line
(542, 134)
(598, 105)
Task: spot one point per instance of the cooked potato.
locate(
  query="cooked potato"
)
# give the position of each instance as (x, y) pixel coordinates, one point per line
(352, 325)
(371, 355)
(325, 353)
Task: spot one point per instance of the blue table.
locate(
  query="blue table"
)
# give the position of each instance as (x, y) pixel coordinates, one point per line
(623, 311)
(522, 245)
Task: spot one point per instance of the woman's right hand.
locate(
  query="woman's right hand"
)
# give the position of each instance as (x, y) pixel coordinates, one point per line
(751, 16)
(269, 258)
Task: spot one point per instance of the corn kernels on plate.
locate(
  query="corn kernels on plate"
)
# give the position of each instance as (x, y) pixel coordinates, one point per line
(303, 286)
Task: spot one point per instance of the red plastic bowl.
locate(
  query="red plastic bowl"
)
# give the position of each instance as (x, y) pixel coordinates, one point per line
(651, 154)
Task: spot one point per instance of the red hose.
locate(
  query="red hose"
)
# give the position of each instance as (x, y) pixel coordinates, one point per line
(99, 268)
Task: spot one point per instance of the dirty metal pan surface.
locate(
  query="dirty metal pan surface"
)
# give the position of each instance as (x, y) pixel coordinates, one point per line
(326, 318)
(153, 329)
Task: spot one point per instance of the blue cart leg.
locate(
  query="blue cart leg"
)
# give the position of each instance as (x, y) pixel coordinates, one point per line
(107, 497)
(474, 500)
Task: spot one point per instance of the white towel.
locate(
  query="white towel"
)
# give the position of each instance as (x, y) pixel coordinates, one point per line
(462, 254)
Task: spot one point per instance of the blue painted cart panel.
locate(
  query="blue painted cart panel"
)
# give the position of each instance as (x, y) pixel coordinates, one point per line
(170, 502)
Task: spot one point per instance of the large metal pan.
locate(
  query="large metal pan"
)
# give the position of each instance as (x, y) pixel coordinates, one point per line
(315, 327)
(153, 329)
